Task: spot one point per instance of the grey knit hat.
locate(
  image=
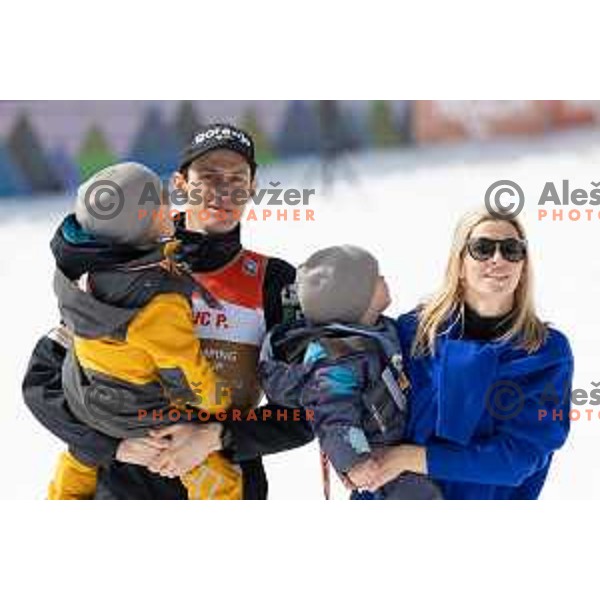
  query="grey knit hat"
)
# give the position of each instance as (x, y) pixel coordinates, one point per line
(111, 204)
(337, 284)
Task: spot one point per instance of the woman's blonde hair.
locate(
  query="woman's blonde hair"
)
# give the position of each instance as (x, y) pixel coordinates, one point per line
(448, 303)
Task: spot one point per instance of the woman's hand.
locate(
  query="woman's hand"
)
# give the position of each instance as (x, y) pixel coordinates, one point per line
(140, 451)
(395, 460)
(363, 474)
(189, 446)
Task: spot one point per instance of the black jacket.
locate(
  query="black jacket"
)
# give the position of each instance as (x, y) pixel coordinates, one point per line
(246, 441)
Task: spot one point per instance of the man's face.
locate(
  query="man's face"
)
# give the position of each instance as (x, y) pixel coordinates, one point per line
(218, 187)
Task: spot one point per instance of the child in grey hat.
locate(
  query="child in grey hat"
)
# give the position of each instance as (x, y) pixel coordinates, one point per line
(127, 304)
(344, 364)
(113, 205)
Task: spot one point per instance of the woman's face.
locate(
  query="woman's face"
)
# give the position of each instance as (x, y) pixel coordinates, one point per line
(495, 278)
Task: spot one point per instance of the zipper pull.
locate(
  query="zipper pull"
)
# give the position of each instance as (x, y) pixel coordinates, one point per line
(398, 364)
(403, 381)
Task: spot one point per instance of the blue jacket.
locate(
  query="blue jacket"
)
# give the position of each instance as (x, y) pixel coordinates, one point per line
(489, 414)
(337, 375)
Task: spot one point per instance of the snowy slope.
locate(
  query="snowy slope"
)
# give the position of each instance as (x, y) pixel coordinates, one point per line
(402, 207)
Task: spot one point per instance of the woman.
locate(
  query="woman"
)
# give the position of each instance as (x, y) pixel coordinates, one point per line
(474, 345)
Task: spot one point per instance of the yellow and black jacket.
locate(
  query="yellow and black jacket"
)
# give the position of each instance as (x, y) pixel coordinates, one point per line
(135, 353)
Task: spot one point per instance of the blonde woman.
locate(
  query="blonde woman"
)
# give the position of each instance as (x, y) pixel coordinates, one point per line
(491, 382)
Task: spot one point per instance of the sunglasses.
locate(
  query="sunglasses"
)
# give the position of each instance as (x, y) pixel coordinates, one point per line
(511, 249)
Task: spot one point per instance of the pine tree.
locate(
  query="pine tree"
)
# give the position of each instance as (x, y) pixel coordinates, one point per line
(186, 123)
(155, 144)
(94, 154)
(263, 148)
(299, 134)
(66, 169)
(381, 124)
(12, 181)
(27, 152)
(337, 130)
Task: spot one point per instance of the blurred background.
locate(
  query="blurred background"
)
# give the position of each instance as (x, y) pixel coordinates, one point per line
(48, 147)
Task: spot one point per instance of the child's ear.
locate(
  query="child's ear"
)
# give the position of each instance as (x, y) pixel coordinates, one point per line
(253, 186)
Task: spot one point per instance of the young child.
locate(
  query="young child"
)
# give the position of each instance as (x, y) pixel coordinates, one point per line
(134, 352)
(344, 363)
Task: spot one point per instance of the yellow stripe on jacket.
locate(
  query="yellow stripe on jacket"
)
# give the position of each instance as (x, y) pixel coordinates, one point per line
(160, 340)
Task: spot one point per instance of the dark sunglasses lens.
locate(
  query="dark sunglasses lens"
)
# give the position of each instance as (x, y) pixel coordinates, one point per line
(513, 250)
(482, 249)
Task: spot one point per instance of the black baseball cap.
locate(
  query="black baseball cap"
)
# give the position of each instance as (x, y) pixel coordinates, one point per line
(219, 136)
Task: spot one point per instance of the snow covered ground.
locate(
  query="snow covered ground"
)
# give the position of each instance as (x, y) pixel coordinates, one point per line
(403, 207)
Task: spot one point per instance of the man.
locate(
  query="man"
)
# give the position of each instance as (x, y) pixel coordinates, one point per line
(248, 293)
